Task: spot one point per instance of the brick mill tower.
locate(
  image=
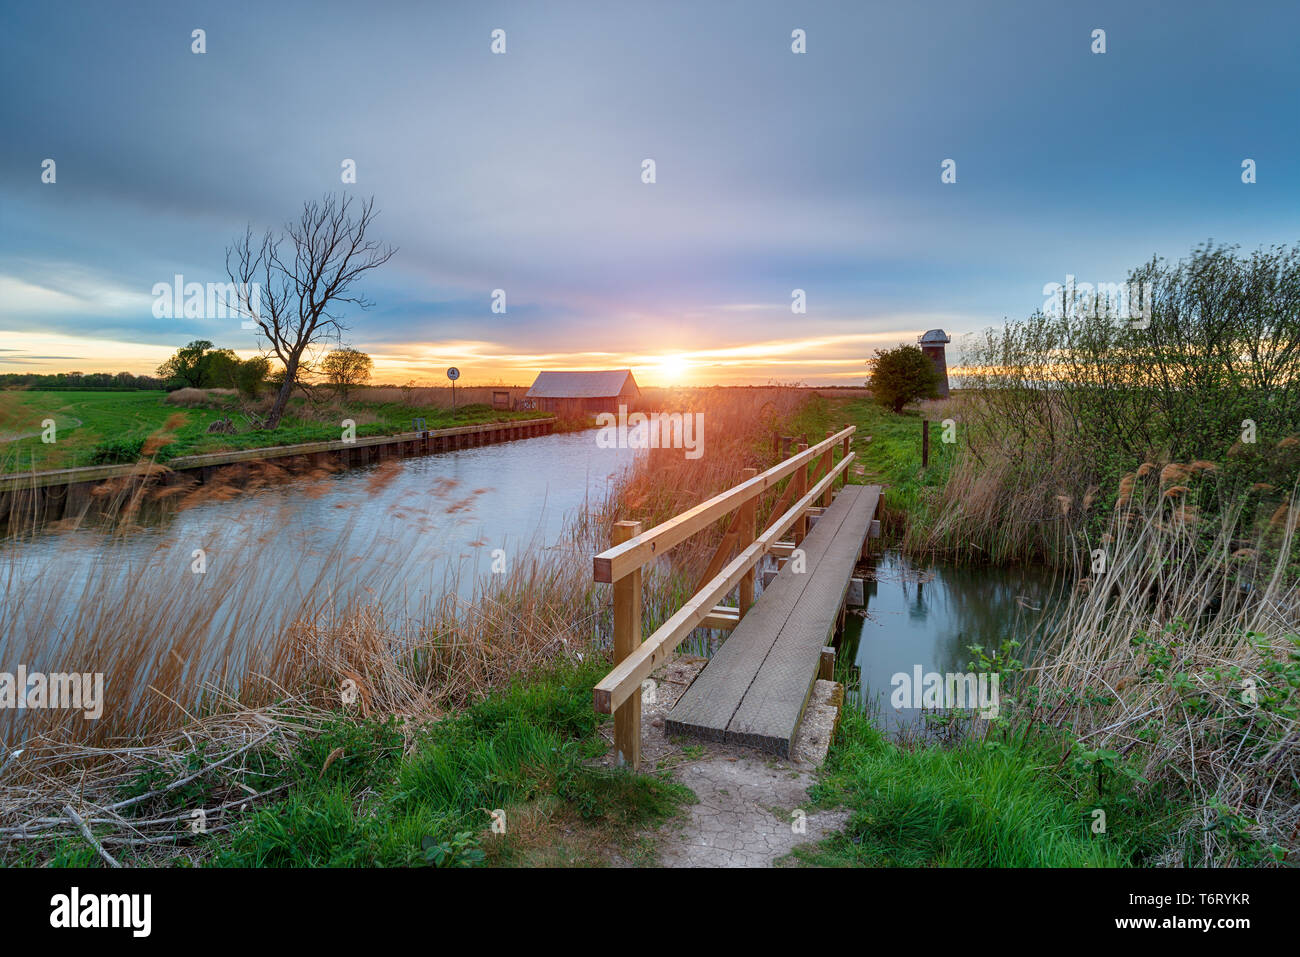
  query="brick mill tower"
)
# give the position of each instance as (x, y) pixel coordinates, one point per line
(932, 344)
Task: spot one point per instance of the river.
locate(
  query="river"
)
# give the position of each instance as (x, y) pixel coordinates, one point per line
(399, 533)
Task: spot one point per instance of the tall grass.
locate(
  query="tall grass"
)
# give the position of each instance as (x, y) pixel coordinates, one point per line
(1179, 658)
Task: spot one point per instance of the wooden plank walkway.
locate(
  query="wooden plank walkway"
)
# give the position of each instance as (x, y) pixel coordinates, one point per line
(755, 687)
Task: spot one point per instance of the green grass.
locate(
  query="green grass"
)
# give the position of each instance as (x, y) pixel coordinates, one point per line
(973, 805)
(893, 456)
(97, 428)
(524, 750)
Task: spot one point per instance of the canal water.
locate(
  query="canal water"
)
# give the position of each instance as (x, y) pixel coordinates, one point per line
(923, 618)
(400, 534)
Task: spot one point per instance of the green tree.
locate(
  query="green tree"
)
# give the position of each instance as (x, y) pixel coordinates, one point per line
(251, 375)
(346, 369)
(200, 366)
(902, 375)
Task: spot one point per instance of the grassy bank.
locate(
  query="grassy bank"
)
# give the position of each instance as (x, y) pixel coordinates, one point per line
(976, 804)
(1165, 695)
(101, 428)
(892, 457)
(358, 792)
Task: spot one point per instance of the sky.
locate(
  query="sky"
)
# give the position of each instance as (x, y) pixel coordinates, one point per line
(522, 171)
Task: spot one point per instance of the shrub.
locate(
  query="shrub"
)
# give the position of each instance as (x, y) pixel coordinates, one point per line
(903, 375)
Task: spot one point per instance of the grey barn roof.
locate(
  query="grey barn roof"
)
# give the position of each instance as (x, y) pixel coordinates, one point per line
(582, 385)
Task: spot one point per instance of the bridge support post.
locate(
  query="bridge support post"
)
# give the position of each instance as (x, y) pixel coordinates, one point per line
(627, 638)
(748, 532)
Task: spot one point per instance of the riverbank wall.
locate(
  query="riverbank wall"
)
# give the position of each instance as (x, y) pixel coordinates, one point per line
(29, 499)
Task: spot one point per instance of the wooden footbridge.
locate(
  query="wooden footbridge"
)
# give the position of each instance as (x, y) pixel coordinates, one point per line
(754, 689)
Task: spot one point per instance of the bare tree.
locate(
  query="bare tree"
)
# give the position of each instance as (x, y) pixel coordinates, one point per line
(296, 301)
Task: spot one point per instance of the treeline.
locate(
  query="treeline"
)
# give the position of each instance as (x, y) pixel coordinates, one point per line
(200, 365)
(1214, 362)
(79, 381)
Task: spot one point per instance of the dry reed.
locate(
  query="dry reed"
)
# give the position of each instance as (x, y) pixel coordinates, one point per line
(1176, 657)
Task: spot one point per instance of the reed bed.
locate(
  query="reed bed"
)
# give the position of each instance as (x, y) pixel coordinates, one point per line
(1182, 658)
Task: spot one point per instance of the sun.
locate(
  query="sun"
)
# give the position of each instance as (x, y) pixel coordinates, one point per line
(672, 369)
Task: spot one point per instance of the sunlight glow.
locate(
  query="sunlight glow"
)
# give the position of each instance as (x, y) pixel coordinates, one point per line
(672, 370)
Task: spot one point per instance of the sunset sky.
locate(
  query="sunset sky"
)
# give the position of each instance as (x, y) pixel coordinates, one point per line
(775, 171)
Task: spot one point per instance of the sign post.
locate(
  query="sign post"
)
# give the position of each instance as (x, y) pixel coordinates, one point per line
(453, 374)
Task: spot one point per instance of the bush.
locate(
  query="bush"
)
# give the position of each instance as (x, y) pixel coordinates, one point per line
(189, 398)
(903, 375)
(117, 451)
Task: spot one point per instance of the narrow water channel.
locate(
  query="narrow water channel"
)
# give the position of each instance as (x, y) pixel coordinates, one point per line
(926, 617)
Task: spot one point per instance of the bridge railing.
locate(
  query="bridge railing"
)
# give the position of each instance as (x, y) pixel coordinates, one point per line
(618, 693)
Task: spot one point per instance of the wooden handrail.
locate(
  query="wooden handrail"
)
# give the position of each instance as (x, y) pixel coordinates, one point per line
(622, 682)
(614, 563)
(617, 692)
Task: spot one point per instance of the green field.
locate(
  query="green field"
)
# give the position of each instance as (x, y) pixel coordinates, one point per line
(102, 428)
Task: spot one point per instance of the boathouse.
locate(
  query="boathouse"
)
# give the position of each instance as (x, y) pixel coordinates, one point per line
(584, 393)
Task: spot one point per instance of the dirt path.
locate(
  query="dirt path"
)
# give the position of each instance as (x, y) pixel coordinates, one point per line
(753, 807)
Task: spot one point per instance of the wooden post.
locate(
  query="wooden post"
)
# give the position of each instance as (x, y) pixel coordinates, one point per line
(925, 443)
(828, 461)
(627, 638)
(800, 489)
(826, 664)
(748, 532)
(848, 447)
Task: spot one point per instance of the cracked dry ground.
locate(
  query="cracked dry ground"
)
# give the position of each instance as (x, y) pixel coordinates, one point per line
(746, 798)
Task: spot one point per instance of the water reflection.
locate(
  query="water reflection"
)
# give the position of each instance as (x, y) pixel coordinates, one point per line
(930, 615)
(398, 534)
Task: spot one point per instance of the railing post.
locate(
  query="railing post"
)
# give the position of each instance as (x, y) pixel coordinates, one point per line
(748, 532)
(800, 490)
(627, 638)
(848, 447)
(828, 462)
